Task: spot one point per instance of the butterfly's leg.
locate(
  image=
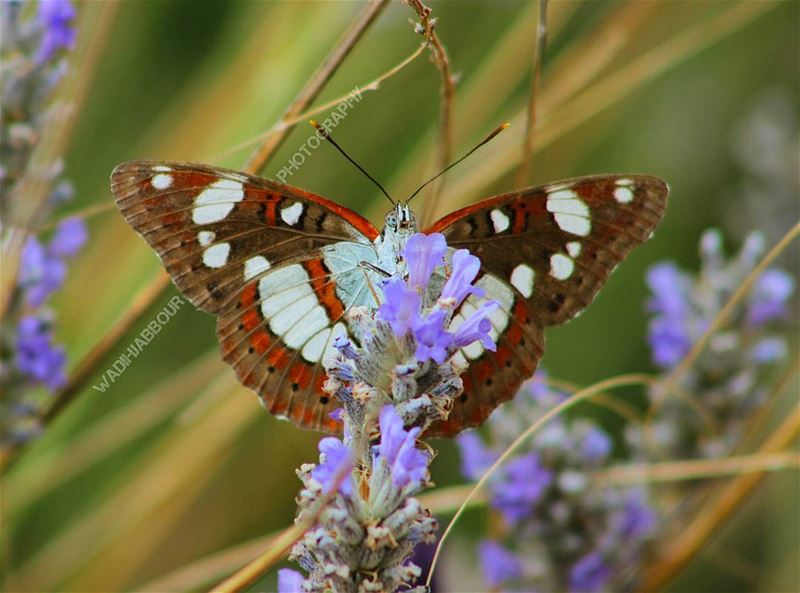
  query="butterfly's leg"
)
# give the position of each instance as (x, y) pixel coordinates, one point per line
(366, 266)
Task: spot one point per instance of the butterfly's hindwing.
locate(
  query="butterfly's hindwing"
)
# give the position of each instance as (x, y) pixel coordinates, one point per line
(279, 266)
(552, 248)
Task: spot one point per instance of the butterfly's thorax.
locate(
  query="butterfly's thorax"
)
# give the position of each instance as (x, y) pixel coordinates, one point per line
(400, 224)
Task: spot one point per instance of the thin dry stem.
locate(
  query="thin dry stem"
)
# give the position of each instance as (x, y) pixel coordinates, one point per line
(599, 387)
(697, 469)
(372, 85)
(316, 83)
(523, 172)
(447, 90)
(677, 552)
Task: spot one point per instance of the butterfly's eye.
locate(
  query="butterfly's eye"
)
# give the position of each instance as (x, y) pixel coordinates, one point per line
(391, 221)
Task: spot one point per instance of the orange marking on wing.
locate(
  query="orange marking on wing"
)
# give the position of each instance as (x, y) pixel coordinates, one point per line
(260, 341)
(252, 316)
(172, 218)
(193, 179)
(323, 288)
(520, 313)
(300, 373)
(502, 355)
(278, 357)
(279, 405)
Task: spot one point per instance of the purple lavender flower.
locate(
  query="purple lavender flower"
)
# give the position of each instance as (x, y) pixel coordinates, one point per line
(40, 273)
(55, 16)
(498, 564)
(422, 254)
(670, 287)
(596, 445)
(290, 581)
(69, 238)
(433, 340)
(769, 299)
(590, 574)
(401, 306)
(459, 284)
(36, 355)
(477, 327)
(637, 519)
(476, 457)
(336, 461)
(408, 465)
(522, 485)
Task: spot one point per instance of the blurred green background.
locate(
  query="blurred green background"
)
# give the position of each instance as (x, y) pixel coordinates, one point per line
(175, 461)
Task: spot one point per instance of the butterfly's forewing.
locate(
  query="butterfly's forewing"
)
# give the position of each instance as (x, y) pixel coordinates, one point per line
(545, 253)
(276, 264)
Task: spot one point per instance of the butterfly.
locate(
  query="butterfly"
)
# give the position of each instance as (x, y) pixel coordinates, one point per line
(280, 267)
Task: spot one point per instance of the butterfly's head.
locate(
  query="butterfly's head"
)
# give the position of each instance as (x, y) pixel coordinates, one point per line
(401, 220)
(400, 225)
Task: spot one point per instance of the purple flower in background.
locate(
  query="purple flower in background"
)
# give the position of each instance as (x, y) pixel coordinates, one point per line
(40, 273)
(638, 520)
(336, 461)
(408, 465)
(55, 16)
(769, 298)
(669, 287)
(69, 238)
(596, 445)
(476, 457)
(401, 306)
(459, 284)
(522, 485)
(476, 328)
(768, 350)
(290, 581)
(422, 254)
(498, 564)
(36, 355)
(590, 574)
(669, 341)
(433, 340)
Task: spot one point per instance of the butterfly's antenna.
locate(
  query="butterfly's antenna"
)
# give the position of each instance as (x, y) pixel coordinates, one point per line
(327, 137)
(494, 133)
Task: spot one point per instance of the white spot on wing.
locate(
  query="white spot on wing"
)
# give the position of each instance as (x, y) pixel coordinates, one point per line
(161, 181)
(312, 351)
(623, 195)
(282, 287)
(574, 248)
(473, 351)
(499, 219)
(561, 266)
(216, 256)
(291, 214)
(522, 279)
(570, 223)
(312, 322)
(291, 315)
(216, 201)
(571, 213)
(254, 266)
(206, 238)
(162, 169)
